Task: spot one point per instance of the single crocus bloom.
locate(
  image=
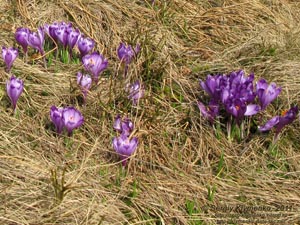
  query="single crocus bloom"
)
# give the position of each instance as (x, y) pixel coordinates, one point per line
(9, 55)
(95, 63)
(124, 126)
(21, 37)
(36, 40)
(72, 119)
(85, 45)
(85, 83)
(126, 54)
(125, 147)
(266, 93)
(136, 91)
(14, 88)
(280, 121)
(57, 119)
(73, 36)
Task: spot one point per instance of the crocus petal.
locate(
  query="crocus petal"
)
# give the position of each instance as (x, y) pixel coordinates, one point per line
(252, 110)
(269, 124)
(9, 55)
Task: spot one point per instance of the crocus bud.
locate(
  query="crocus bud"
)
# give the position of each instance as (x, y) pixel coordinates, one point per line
(72, 119)
(14, 88)
(57, 119)
(21, 37)
(95, 63)
(125, 147)
(9, 55)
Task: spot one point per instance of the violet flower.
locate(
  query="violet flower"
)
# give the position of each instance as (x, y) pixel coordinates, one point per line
(14, 88)
(21, 37)
(57, 119)
(210, 112)
(36, 40)
(85, 83)
(123, 126)
(126, 53)
(85, 45)
(72, 119)
(9, 55)
(62, 32)
(136, 91)
(95, 63)
(266, 93)
(73, 36)
(125, 147)
(280, 121)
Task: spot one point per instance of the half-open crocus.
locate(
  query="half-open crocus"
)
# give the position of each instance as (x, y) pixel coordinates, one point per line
(85, 45)
(126, 54)
(57, 119)
(73, 36)
(136, 91)
(280, 121)
(266, 93)
(21, 37)
(95, 63)
(14, 88)
(9, 55)
(85, 83)
(123, 126)
(125, 147)
(72, 119)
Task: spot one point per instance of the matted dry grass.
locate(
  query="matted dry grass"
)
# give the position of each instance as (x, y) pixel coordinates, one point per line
(178, 158)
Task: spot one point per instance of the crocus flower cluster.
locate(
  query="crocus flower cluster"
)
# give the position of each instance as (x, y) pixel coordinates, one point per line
(67, 36)
(63, 34)
(69, 118)
(123, 144)
(126, 54)
(235, 94)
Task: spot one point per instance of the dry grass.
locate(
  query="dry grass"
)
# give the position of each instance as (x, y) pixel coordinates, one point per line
(44, 180)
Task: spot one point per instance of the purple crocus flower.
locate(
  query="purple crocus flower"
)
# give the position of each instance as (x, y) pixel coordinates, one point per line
(85, 83)
(136, 91)
(56, 118)
(36, 40)
(124, 147)
(72, 119)
(85, 45)
(73, 36)
(280, 121)
(14, 88)
(212, 86)
(9, 55)
(210, 112)
(124, 126)
(266, 93)
(126, 53)
(95, 63)
(21, 37)
(52, 31)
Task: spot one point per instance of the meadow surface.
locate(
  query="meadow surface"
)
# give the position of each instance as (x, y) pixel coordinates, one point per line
(183, 171)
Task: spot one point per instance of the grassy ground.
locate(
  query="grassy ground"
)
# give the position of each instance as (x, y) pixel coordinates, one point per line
(181, 173)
